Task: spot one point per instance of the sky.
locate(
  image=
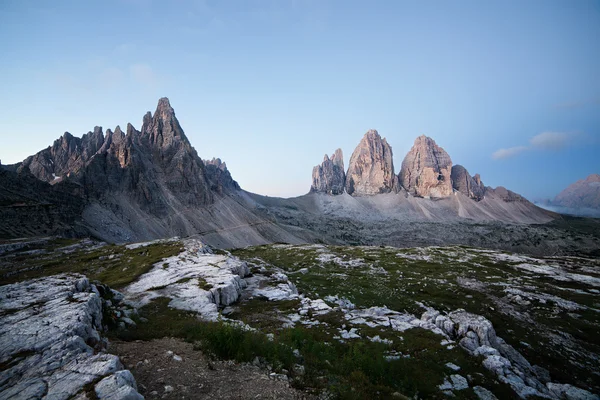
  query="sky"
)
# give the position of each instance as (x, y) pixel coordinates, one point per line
(510, 89)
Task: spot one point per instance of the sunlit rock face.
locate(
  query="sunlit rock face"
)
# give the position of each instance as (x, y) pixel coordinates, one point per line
(426, 170)
(371, 168)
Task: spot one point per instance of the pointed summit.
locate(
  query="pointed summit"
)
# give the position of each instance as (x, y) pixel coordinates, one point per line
(371, 168)
(162, 129)
(426, 169)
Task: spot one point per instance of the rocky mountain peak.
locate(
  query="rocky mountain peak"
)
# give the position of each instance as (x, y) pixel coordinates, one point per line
(371, 167)
(426, 170)
(329, 177)
(162, 129)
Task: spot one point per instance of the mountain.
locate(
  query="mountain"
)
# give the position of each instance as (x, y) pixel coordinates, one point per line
(150, 183)
(584, 193)
(581, 198)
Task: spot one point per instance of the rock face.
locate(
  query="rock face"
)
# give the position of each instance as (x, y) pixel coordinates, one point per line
(49, 342)
(584, 193)
(371, 168)
(329, 177)
(30, 207)
(426, 170)
(219, 177)
(467, 185)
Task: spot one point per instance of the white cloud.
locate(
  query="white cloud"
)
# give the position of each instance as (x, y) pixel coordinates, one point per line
(543, 141)
(507, 153)
(550, 140)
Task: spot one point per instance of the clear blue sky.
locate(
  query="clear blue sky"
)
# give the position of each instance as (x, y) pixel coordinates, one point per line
(270, 86)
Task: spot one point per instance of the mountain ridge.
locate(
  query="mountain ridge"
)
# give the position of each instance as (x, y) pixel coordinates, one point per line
(151, 183)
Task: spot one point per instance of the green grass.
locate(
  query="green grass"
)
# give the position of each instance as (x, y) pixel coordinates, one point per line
(432, 278)
(113, 265)
(356, 369)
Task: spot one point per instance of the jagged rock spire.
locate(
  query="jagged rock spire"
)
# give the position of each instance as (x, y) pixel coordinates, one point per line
(329, 177)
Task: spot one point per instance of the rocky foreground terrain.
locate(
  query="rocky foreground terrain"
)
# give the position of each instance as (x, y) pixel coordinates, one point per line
(297, 320)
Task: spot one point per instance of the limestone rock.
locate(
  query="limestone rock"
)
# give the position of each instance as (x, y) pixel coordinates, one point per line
(466, 184)
(371, 168)
(329, 177)
(426, 170)
(49, 341)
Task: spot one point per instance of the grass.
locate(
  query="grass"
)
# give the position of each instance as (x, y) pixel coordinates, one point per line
(399, 278)
(353, 370)
(112, 265)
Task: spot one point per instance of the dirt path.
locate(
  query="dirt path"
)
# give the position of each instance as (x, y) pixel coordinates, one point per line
(171, 369)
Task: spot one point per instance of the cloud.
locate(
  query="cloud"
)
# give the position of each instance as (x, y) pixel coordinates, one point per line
(507, 153)
(143, 74)
(543, 141)
(550, 140)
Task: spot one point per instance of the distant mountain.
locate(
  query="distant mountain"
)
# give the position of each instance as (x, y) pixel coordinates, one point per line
(580, 198)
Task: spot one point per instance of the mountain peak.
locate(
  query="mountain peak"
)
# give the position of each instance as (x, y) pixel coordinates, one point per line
(164, 106)
(371, 167)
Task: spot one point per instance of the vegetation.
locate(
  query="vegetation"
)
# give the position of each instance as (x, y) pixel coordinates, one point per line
(113, 265)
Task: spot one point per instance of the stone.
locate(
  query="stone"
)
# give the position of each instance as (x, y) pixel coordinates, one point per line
(371, 167)
(463, 182)
(569, 392)
(47, 329)
(426, 170)
(329, 177)
(483, 394)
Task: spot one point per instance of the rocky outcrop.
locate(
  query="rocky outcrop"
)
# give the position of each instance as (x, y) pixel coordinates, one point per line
(506, 195)
(426, 170)
(584, 193)
(329, 177)
(463, 182)
(195, 280)
(219, 176)
(50, 346)
(476, 335)
(371, 167)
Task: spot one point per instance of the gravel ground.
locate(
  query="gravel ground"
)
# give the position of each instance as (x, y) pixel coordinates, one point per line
(171, 369)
